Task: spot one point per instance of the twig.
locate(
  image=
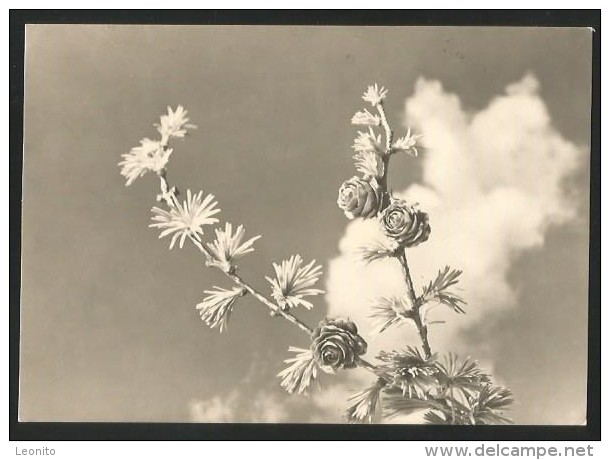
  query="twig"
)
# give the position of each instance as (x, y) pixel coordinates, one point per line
(389, 134)
(260, 297)
(374, 369)
(421, 327)
(386, 157)
(169, 196)
(401, 255)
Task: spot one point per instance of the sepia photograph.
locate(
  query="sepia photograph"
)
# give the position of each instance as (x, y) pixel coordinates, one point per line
(279, 224)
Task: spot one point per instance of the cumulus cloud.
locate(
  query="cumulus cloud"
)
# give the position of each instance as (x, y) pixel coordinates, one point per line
(240, 406)
(324, 404)
(244, 404)
(493, 183)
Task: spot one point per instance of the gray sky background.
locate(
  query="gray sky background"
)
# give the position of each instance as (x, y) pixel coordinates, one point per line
(109, 326)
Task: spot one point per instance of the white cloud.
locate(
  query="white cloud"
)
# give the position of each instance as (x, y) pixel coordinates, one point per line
(239, 406)
(212, 410)
(325, 404)
(492, 183)
(332, 401)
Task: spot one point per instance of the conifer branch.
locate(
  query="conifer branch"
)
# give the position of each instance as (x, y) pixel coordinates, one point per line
(453, 391)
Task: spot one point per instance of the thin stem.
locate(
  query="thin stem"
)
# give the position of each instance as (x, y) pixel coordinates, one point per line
(389, 135)
(386, 157)
(374, 369)
(168, 194)
(288, 316)
(260, 297)
(170, 198)
(401, 256)
(383, 183)
(452, 408)
(422, 329)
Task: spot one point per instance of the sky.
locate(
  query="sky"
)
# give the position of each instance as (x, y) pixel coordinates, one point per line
(109, 326)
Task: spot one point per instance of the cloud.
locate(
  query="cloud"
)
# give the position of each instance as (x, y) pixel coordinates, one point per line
(239, 406)
(216, 409)
(324, 404)
(244, 404)
(493, 183)
(331, 402)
